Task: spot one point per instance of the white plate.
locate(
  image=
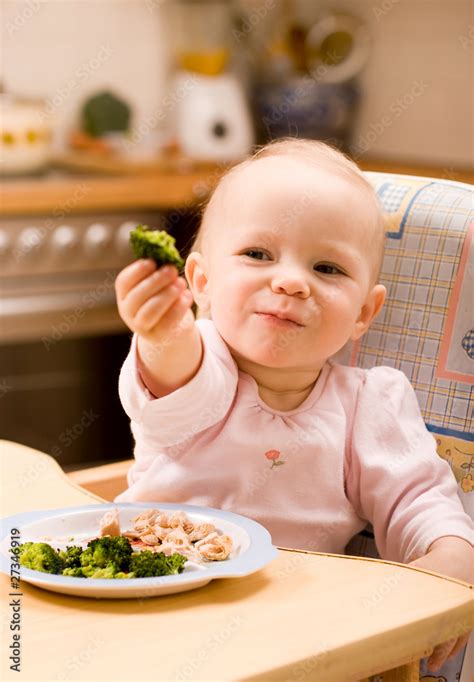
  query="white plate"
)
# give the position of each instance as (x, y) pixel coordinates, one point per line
(252, 548)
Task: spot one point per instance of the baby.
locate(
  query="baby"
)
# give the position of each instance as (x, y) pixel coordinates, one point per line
(247, 410)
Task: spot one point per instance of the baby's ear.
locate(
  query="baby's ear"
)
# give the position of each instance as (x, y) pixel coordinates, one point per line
(369, 311)
(196, 275)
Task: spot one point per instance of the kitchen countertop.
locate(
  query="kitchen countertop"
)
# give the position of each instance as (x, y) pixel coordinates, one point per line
(62, 191)
(306, 615)
(75, 193)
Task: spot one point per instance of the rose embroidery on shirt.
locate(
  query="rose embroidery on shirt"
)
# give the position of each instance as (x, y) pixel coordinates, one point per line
(274, 455)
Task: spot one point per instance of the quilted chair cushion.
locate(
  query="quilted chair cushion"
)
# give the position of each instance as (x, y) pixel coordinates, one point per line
(426, 328)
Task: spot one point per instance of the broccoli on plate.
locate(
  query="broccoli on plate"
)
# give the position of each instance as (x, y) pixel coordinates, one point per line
(147, 564)
(71, 557)
(105, 551)
(39, 556)
(74, 572)
(104, 557)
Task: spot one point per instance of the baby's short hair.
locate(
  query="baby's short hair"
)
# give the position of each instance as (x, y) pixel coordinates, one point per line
(319, 154)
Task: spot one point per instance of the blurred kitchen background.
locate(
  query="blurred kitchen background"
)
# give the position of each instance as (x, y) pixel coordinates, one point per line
(115, 112)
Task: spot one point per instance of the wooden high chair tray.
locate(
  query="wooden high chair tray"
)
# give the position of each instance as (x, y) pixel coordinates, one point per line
(308, 616)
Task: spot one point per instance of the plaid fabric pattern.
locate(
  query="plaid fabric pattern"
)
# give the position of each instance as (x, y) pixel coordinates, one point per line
(427, 223)
(418, 272)
(391, 195)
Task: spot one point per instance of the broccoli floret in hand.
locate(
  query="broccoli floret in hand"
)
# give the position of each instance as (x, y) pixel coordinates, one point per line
(147, 564)
(156, 244)
(39, 556)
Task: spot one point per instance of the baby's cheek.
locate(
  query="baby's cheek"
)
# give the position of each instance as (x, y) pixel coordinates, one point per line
(331, 295)
(338, 298)
(227, 294)
(223, 313)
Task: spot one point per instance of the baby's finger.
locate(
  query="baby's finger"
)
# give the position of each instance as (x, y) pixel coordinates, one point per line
(132, 275)
(155, 307)
(440, 654)
(174, 315)
(459, 646)
(148, 287)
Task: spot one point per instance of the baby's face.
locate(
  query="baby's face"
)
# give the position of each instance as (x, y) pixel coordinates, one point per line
(289, 262)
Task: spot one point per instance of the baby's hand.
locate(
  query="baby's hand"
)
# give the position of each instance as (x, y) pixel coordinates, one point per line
(151, 301)
(453, 557)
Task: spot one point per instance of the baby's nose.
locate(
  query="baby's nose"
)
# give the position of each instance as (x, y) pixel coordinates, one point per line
(291, 283)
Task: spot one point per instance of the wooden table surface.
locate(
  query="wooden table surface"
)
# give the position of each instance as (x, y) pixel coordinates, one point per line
(306, 616)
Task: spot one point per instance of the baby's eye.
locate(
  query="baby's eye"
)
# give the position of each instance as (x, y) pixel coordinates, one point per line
(328, 269)
(257, 254)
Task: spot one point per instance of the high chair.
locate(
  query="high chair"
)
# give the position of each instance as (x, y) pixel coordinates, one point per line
(425, 330)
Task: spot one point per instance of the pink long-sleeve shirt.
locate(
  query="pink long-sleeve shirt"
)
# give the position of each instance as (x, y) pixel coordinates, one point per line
(355, 451)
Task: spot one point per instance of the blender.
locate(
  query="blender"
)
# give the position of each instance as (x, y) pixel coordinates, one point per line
(213, 121)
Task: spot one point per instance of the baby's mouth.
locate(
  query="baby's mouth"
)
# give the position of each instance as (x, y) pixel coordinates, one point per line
(279, 319)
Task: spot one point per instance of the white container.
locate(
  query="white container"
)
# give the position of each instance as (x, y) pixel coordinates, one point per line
(212, 118)
(25, 136)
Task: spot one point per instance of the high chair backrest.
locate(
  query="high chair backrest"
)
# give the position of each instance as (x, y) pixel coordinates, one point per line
(426, 326)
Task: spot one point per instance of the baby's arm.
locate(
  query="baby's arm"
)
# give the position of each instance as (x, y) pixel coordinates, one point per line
(451, 556)
(164, 372)
(395, 478)
(155, 304)
(454, 557)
